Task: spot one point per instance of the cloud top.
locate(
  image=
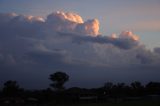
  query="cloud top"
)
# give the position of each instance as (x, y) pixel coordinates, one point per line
(72, 23)
(69, 16)
(129, 35)
(90, 27)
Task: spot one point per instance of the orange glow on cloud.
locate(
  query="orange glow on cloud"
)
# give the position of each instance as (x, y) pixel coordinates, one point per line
(129, 34)
(70, 16)
(114, 36)
(92, 27)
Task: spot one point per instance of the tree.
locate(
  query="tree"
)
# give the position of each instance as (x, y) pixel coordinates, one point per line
(136, 85)
(153, 88)
(108, 87)
(137, 88)
(11, 88)
(59, 79)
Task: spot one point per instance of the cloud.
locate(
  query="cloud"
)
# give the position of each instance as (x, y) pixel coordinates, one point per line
(157, 50)
(36, 46)
(90, 27)
(125, 40)
(6, 17)
(73, 17)
(129, 35)
(72, 23)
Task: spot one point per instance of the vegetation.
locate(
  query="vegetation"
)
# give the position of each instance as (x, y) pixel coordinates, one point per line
(59, 79)
(109, 94)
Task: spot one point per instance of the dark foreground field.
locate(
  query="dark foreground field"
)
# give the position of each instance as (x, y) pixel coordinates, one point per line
(125, 103)
(128, 103)
(119, 94)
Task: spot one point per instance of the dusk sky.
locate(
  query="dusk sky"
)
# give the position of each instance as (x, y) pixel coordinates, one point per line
(94, 41)
(140, 16)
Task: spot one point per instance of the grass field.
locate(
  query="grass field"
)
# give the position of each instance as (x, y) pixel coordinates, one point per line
(127, 103)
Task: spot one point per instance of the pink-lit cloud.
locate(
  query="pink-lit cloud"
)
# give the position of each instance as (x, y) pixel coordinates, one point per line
(72, 23)
(90, 27)
(129, 35)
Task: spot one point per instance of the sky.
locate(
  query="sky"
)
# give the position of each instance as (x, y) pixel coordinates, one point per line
(94, 41)
(140, 16)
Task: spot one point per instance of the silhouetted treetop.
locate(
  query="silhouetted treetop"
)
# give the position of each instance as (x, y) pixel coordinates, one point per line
(59, 79)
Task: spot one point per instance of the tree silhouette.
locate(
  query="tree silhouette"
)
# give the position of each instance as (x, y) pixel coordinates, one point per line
(108, 85)
(136, 85)
(59, 79)
(153, 88)
(107, 88)
(137, 88)
(11, 88)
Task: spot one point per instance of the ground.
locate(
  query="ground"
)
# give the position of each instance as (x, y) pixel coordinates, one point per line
(126, 103)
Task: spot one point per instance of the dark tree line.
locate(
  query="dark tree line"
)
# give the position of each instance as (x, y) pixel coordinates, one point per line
(58, 94)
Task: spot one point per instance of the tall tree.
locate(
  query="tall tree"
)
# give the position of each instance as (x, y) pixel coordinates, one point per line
(11, 88)
(59, 79)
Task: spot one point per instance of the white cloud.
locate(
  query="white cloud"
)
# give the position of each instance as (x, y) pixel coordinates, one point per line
(72, 23)
(90, 27)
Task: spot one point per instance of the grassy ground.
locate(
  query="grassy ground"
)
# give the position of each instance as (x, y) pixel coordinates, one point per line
(124, 103)
(127, 103)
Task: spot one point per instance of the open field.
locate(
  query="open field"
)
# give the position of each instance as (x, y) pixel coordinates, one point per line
(127, 103)
(123, 104)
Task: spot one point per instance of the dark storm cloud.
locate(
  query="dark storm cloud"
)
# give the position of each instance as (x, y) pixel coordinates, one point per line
(36, 47)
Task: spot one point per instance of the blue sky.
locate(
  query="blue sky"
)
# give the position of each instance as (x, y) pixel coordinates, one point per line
(140, 16)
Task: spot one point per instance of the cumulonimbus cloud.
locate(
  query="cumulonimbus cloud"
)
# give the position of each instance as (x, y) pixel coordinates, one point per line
(66, 40)
(60, 28)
